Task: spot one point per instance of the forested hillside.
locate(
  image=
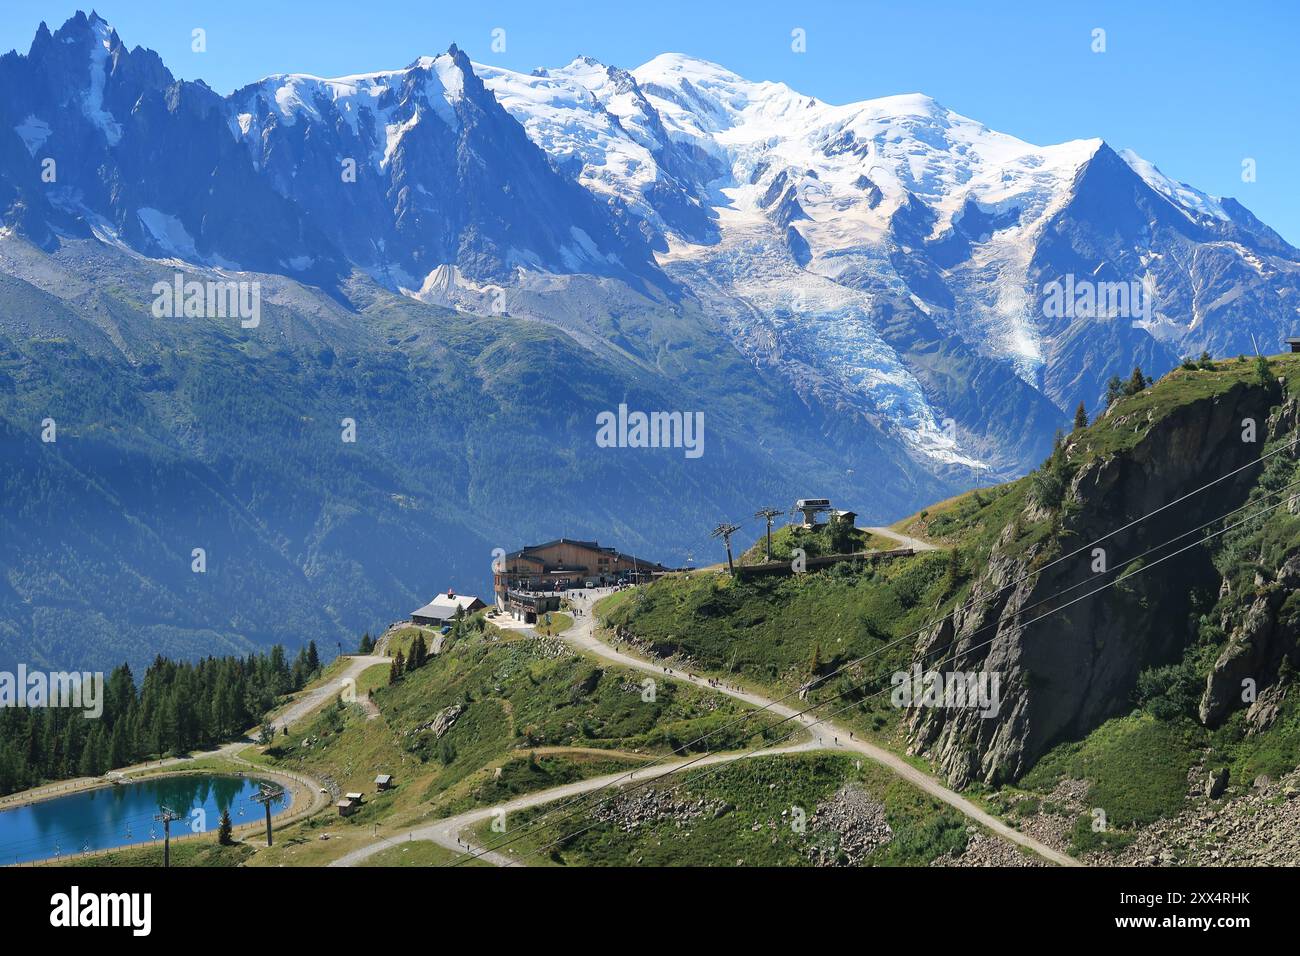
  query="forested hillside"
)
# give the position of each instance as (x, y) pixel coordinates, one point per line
(177, 707)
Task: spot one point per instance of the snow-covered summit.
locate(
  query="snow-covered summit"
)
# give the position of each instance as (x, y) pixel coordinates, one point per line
(886, 257)
(794, 219)
(1190, 200)
(379, 107)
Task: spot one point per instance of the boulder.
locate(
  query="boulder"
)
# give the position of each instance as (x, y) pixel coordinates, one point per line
(1216, 783)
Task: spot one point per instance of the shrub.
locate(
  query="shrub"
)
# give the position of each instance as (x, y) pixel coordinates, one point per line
(1168, 692)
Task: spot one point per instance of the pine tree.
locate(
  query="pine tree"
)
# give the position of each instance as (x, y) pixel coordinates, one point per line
(1114, 390)
(118, 753)
(298, 676)
(1137, 382)
(1080, 417)
(119, 694)
(176, 708)
(953, 571)
(398, 668)
(281, 681)
(225, 829)
(419, 653)
(92, 764)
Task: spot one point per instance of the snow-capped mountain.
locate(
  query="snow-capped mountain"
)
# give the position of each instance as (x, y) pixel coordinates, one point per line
(834, 224)
(470, 264)
(888, 259)
(413, 171)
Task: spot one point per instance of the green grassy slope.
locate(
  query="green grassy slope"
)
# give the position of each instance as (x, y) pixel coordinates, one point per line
(757, 812)
(781, 632)
(533, 715)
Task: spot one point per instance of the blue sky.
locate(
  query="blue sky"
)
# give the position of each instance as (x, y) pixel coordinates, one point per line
(1195, 87)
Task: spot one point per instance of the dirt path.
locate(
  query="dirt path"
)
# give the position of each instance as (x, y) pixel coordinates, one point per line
(449, 832)
(828, 734)
(310, 700)
(916, 544)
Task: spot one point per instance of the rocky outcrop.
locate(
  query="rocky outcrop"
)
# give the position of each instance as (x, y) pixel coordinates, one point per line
(1064, 676)
(1259, 827)
(1256, 648)
(984, 849)
(848, 828)
(1265, 709)
(655, 805)
(1216, 783)
(1263, 622)
(442, 721)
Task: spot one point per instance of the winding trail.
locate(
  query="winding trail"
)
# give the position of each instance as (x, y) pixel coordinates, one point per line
(824, 736)
(303, 705)
(447, 831)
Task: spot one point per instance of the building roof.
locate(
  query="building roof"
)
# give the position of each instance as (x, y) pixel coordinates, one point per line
(353, 796)
(525, 553)
(443, 606)
(650, 565)
(384, 778)
(589, 545)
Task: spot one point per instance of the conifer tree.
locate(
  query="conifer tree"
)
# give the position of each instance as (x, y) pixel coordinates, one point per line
(419, 653)
(1114, 390)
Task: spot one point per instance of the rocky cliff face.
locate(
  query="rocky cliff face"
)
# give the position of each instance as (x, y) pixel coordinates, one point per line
(1063, 676)
(1258, 644)
(1261, 615)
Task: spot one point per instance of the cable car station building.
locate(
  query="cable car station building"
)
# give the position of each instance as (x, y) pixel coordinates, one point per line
(562, 564)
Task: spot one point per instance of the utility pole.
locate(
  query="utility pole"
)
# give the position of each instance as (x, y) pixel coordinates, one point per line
(725, 531)
(268, 796)
(167, 816)
(769, 514)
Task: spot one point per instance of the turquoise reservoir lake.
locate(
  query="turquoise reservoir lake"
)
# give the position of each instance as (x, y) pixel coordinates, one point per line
(122, 815)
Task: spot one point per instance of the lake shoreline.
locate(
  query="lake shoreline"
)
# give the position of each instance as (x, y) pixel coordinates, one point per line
(64, 788)
(303, 800)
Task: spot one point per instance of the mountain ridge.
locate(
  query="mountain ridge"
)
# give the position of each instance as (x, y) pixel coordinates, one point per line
(849, 292)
